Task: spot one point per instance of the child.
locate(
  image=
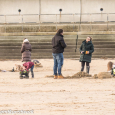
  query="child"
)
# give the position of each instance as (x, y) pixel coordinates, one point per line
(29, 65)
(113, 70)
(23, 71)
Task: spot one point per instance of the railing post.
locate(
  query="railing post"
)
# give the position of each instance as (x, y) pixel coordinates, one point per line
(107, 22)
(22, 23)
(73, 18)
(39, 11)
(39, 18)
(80, 23)
(5, 18)
(5, 23)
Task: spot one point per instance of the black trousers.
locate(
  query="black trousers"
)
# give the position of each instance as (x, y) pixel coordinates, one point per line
(83, 63)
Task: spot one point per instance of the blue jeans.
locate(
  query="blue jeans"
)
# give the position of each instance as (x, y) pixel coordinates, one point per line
(32, 68)
(58, 62)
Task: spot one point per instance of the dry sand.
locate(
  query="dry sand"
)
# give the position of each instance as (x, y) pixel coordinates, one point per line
(47, 96)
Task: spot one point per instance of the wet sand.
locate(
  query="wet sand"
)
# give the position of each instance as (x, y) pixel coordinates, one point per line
(48, 96)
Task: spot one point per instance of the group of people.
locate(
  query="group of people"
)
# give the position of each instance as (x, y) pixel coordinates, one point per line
(58, 46)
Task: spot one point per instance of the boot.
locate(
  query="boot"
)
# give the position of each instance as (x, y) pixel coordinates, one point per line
(32, 73)
(60, 77)
(82, 68)
(87, 69)
(55, 76)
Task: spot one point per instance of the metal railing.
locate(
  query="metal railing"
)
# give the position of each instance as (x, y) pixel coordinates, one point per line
(87, 18)
(58, 18)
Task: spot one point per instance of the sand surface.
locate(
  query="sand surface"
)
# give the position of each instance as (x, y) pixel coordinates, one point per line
(47, 96)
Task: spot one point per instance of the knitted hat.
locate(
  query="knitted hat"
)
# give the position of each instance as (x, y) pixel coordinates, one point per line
(26, 40)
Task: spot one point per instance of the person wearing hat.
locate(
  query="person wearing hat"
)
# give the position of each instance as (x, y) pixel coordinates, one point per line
(26, 51)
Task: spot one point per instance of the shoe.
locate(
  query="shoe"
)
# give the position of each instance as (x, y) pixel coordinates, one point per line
(55, 76)
(60, 77)
(87, 69)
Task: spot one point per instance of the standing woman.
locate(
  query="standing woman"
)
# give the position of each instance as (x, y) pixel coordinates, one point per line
(26, 51)
(58, 45)
(86, 51)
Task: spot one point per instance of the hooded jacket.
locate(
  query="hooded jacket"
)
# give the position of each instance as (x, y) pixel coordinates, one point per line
(86, 47)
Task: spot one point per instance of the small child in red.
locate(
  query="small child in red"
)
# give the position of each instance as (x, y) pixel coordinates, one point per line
(29, 65)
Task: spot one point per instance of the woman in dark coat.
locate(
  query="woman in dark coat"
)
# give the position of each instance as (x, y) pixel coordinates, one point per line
(86, 51)
(26, 51)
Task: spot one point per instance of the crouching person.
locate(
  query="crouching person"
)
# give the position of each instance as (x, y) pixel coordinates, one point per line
(58, 46)
(29, 65)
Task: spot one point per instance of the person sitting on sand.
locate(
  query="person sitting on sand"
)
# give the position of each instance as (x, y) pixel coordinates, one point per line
(29, 65)
(113, 70)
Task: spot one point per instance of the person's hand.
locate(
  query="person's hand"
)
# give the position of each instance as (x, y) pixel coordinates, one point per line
(82, 52)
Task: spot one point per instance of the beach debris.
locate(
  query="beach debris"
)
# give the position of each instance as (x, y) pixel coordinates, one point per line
(37, 63)
(3, 71)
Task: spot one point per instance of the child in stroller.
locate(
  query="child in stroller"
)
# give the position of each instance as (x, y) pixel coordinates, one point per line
(25, 70)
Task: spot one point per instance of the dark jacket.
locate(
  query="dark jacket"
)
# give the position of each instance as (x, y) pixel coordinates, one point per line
(26, 51)
(86, 47)
(58, 44)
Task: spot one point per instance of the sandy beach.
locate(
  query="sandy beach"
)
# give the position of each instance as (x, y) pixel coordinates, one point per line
(48, 96)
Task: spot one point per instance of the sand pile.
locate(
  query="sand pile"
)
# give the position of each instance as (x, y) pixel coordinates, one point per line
(102, 75)
(50, 76)
(79, 75)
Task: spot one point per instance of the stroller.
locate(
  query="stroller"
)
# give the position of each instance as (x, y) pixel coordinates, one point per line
(24, 74)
